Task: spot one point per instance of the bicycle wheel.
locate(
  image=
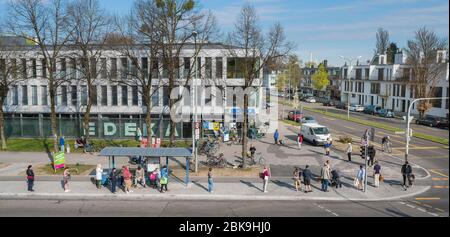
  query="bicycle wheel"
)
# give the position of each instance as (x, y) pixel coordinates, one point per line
(262, 161)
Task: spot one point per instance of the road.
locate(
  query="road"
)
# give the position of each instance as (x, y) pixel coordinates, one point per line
(83, 208)
(432, 156)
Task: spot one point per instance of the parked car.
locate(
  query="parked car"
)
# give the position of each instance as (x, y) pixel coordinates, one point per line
(311, 100)
(372, 109)
(329, 103)
(341, 105)
(315, 133)
(356, 108)
(387, 113)
(433, 121)
(294, 115)
(308, 119)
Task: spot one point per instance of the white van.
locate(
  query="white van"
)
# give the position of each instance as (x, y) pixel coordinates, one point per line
(315, 133)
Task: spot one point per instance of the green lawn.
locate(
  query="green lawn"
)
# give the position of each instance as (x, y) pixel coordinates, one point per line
(46, 145)
(75, 169)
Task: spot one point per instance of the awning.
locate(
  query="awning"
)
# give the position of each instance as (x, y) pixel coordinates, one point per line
(147, 152)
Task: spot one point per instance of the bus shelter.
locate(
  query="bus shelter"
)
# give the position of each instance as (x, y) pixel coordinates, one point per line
(113, 152)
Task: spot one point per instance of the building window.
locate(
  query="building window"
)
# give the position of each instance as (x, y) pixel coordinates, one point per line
(73, 92)
(44, 68)
(155, 96)
(44, 95)
(114, 100)
(34, 68)
(134, 95)
(15, 95)
(219, 68)
(367, 73)
(375, 88)
(94, 95)
(345, 73)
(124, 67)
(103, 67)
(358, 74)
(84, 95)
(24, 95)
(93, 68)
(124, 95)
(104, 99)
(34, 95)
(199, 68)
(166, 96)
(155, 68)
(113, 68)
(24, 68)
(437, 94)
(381, 74)
(73, 68)
(403, 90)
(144, 62)
(64, 95)
(134, 67)
(446, 101)
(208, 68)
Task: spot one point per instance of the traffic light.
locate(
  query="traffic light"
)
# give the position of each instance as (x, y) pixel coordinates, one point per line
(363, 152)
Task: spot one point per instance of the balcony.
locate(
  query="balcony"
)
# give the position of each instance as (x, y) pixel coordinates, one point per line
(402, 79)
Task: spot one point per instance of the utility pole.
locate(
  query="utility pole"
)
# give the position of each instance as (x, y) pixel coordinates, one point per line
(194, 86)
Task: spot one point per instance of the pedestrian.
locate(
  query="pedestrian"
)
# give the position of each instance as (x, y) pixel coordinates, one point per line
(252, 150)
(154, 178)
(210, 181)
(361, 176)
(164, 178)
(62, 142)
(307, 176)
(276, 135)
(297, 182)
(336, 178)
(371, 153)
(30, 178)
(98, 176)
(327, 147)
(113, 180)
(127, 179)
(66, 178)
(266, 175)
(300, 141)
(349, 152)
(376, 174)
(386, 144)
(406, 173)
(140, 176)
(325, 176)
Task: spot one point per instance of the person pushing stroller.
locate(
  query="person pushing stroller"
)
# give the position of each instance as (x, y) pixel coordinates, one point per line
(336, 179)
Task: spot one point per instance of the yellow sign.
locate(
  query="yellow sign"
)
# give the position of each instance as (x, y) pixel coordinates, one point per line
(216, 126)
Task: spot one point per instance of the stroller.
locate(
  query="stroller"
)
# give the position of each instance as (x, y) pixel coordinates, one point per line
(335, 179)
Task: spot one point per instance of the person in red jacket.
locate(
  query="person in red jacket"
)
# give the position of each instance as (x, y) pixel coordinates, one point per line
(300, 141)
(127, 179)
(266, 176)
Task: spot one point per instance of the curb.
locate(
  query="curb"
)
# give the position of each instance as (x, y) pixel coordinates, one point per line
(203, 197)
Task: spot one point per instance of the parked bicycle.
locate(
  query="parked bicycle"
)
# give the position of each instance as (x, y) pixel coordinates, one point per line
(258, 159)
(209, 147)
(216, 161)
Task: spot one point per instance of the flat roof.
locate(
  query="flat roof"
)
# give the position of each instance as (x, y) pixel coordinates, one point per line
(147, 152)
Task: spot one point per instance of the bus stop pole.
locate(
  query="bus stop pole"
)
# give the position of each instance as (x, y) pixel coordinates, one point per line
(187, 171)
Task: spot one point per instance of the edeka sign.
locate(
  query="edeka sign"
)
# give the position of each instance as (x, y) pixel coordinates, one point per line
(111, 129)
(59, 161)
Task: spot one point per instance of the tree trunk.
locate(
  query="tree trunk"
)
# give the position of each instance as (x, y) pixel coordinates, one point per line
(53, 117)
(87, 113)
(244, 132)
(148, 114)
(2, 125)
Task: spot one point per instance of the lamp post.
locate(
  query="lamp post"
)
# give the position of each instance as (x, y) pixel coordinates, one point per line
(348, 96)
(408, 119)
(194, 107)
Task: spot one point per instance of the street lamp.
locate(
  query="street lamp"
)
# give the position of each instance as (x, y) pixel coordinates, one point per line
(408, 119)
(349, 66)
(194, 107)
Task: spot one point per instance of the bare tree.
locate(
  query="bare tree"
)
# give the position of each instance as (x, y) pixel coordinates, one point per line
(91, 25)
(427, 71)
(9, 76)
(254, 50)
(177, 20)
(382, 41)
(43, 21)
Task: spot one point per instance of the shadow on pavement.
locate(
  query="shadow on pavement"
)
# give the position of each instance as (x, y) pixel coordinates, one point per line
(200, 185)
(283, 184)
(250, 185)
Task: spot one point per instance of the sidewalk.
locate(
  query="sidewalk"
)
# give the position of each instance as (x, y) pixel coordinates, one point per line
(197, 190)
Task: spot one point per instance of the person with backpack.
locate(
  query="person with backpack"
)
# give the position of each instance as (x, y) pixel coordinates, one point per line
(376, 174)
(297, 182)
(265, 175)
(307, 176)
(113, 180)
(66, 178)
(154, 178)
(164, 178)
(30, 178)
(406, 173)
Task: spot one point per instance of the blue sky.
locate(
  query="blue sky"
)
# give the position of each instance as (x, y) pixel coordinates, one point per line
(328, 29)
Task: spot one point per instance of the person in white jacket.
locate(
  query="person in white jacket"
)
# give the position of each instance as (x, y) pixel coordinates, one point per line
(349, 151)
(98, 176)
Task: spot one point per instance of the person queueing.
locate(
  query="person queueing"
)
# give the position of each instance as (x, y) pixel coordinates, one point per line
(30, 178)
(164, 179)
(113, 179)
(140, 176)
(99, 176)
(210, 181)
(325, 176)
(154, 178)
(66, 178)
(307, 176)
(127, 179)
(297, 182)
